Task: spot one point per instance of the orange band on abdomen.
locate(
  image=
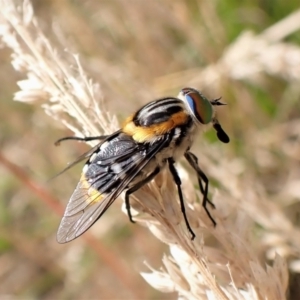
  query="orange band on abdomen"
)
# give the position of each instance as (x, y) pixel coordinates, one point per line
(143, 134)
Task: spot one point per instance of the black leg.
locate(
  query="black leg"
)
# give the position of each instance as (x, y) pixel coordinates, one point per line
(83, 139)
(193, 161)
(201, 176)
(137, 187)
(178, 184)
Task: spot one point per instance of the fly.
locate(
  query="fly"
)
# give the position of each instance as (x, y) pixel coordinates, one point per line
(153, 138)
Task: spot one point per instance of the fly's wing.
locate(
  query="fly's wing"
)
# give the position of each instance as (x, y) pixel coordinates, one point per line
(98, 188)
(78, 160)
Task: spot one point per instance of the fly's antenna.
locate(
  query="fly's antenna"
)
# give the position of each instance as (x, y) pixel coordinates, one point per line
(217, 102)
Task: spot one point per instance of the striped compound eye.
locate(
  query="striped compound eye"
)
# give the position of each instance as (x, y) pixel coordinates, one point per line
(200, 106)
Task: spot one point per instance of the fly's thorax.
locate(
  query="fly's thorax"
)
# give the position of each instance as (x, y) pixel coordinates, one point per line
(156, 119)
(181, 139)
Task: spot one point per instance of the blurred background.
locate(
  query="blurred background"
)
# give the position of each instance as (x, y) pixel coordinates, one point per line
(140, 50)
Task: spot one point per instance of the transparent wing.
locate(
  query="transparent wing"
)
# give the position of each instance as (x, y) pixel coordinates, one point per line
(87, 204)
(83, 156)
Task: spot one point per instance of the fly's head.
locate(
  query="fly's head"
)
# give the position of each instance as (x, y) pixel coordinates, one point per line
(202, 110)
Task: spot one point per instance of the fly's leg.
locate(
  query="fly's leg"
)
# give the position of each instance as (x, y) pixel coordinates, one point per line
(136, 187)
(201, 176)
(82, 139)
(178, 184)
(193, 161)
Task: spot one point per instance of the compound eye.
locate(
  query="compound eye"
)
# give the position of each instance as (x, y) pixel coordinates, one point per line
(199, 106)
